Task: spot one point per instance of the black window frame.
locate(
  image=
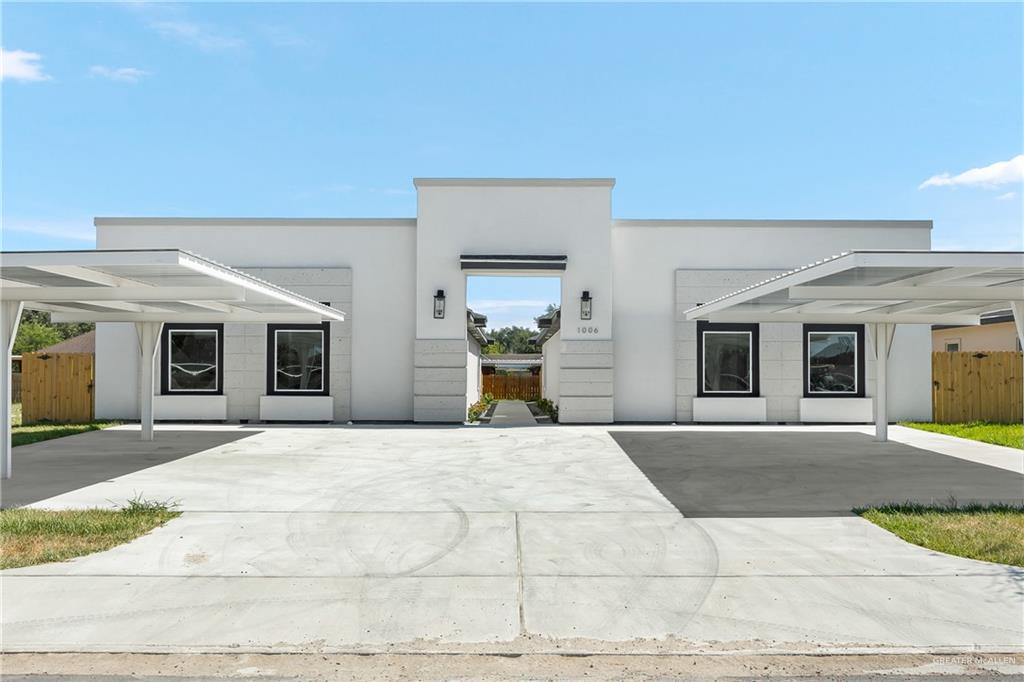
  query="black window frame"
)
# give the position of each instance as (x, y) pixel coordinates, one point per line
(165, 374)
(861, 359)
(703, 326)
(272, 330)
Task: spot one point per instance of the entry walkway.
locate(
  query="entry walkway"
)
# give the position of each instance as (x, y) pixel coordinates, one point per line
(512, 413)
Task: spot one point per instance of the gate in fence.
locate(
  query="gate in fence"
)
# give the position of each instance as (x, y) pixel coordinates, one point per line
(978, 386)
(57, 387)
(512, 386)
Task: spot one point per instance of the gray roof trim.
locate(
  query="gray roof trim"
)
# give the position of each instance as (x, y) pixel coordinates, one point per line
(774, 223)
(513, 182)
(142, 221)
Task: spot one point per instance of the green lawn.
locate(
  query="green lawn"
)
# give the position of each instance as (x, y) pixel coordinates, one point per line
(985, 532)
(23, 435)
(1009, 435)
(39, 536)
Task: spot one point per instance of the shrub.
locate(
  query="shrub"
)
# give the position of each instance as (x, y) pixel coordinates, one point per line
(477, 409)
(548, 408)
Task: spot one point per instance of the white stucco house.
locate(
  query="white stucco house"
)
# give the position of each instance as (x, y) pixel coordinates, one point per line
(621, 349)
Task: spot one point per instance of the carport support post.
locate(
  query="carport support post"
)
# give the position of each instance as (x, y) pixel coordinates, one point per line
(10, 316)
(881, 337)
(149, 334)
(1018, 318)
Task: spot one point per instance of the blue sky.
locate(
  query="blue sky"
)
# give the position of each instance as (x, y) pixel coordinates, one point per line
(718, 111)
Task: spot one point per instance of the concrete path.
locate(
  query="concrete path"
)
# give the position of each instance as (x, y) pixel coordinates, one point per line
(512, 413)
(334, 539)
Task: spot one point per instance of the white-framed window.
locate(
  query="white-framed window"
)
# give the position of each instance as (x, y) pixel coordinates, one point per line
(298, 359)
(952, 345)
(191, 357)
(727, 359)
(833, 361)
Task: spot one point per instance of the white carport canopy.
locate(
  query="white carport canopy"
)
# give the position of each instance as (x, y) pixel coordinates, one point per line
(146, 287)
(882, 289)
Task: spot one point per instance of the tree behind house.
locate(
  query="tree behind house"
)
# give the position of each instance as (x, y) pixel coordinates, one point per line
(36, 331)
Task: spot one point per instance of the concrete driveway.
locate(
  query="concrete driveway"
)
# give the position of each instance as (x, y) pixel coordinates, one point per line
(534, 538)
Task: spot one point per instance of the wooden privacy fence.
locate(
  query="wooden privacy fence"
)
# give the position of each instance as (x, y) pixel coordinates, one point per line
(978, 386)
(56, 387)
(512, 386)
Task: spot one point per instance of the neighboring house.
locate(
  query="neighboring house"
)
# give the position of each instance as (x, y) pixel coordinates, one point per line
(622, 349)
(996, 332)
(511, 363)
(549, 339)
(83, 343)
(475, 342)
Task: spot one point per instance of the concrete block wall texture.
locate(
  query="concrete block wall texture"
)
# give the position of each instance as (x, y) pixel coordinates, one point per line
(439, 380)
(780, 346)
(781, 354)
(586, 382)
(245, 345)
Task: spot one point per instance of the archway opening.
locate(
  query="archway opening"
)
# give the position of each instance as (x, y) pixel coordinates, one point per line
(513, 325)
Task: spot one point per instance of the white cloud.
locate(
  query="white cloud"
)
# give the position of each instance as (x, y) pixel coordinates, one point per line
(999, 173)
(123, 74)
(195, 34)
(510, 312)
(1006, 197)
(19, 65)
(511, 304)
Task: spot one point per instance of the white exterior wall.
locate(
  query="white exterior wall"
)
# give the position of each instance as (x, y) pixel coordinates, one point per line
(570, 218)
(551, 367)
(381, 257)
(634, 361)
(647, 254)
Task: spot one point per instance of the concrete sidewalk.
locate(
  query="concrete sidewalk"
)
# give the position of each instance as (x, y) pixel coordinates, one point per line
(512, 413)
(374, 538)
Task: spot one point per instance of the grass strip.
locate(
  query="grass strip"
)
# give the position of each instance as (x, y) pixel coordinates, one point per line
(23, 435)
(1008, 435)
(39, 536)
(989, 532)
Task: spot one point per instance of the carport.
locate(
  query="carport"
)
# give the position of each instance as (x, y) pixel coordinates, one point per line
(144, 287)
(881, 289)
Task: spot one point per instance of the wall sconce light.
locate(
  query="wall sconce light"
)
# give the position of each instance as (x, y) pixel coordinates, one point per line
(439, 305)
(586, 306)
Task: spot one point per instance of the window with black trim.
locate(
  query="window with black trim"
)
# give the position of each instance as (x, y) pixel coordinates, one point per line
(191, 358)
(727, 360)
(833, 361)
(298, 357)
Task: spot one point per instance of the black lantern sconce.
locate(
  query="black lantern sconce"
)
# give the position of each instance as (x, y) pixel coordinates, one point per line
(439, 305)
(586, 306)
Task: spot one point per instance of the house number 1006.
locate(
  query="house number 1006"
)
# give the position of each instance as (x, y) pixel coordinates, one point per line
(586, 330)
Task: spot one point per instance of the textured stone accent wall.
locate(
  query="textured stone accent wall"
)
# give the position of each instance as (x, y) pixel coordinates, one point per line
(439, 380)
(781, 346)
(245, 345)
(586, 385)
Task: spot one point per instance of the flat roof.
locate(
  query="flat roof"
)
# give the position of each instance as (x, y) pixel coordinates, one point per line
(772, 222)
(513, 182)
(137, 221)
(159, 221)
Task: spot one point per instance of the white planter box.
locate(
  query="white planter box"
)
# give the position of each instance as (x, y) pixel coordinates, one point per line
(296, 408)
(190, 407)
(837, 410)
(730, 409)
